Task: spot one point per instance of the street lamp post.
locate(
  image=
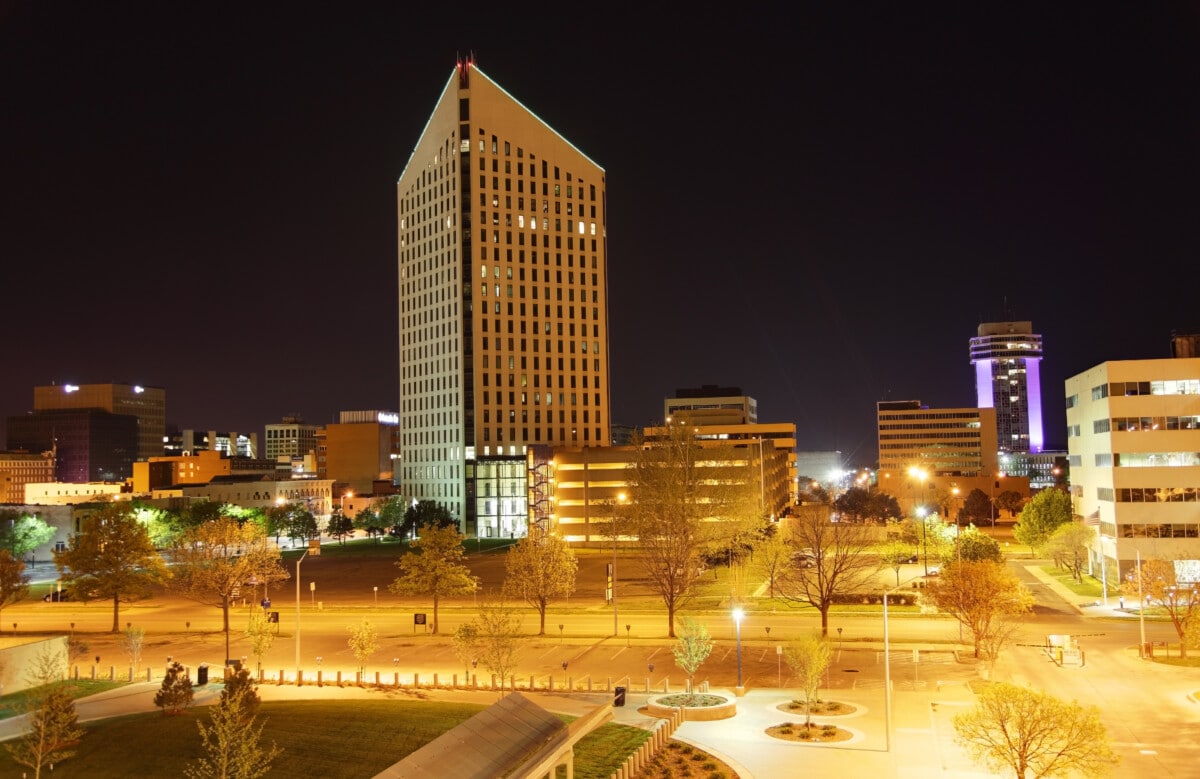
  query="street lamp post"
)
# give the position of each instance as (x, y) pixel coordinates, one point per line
(347, 494)
(920, 474)
(613, 572)
(737, 621)
(298, 613)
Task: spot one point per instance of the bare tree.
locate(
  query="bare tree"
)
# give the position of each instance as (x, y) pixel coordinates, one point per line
(215, 559)
(683, 498)
(539, 568)
(1155, 581)
(261, 635)
(1068, 547)
(132, 640)
(1025, 731)
(836, 563)
(497, 630)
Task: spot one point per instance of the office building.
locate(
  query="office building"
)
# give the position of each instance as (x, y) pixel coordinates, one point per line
(20, 468)
(952, 449)
(148, 405)
(290, 439)
(711, 405)
(88, 445)
(1133, 442)
(503, 299)
(1007, 357)
(358, 452)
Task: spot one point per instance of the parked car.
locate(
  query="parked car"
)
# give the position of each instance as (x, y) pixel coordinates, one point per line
(910, 559)
(804, 558)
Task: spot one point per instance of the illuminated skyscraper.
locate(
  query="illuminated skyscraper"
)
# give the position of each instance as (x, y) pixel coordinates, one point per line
(503, 303)
(1007, 357)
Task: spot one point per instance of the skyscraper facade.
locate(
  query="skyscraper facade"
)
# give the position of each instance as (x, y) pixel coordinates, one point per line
(1007, 357)
(503, 324)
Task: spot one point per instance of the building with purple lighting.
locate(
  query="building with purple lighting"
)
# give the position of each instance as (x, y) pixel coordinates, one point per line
(1007, 357)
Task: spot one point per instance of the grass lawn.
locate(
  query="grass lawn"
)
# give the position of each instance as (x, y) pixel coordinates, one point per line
(332, 740)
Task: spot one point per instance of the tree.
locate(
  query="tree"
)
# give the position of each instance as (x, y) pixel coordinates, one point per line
(1068, 547)
(1022, 730)
(975, 545)
(302, 525)
(1010, 501)
(53, 731)
(20, 533)
(260, 633)
(14, 582)
(498, 629)
(773, 556)
(132, 640)
(434, 568)
(213, 561)
(339, 526)
(976, 508)
(391, 514)
(425, 513)
(809, 658)
(363, 642)
(882, 507)
(111, 558)
(852, 504)
(681, 495)
(1155, 581)
(176, 693)
(278, 519)
(840, 563)
(466, 645)
(539, 568)
(1041, 516)
(691, 650)
(986, 598)
(369, 522)
(232, 741)
(896, 554)
(240, 686)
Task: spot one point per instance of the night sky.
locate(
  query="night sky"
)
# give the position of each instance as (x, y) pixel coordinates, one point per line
(819, 208)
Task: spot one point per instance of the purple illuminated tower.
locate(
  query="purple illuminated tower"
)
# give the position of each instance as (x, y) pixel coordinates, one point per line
(1007, 358)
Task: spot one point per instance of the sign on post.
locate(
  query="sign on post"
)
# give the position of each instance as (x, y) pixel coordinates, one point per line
(418, 619)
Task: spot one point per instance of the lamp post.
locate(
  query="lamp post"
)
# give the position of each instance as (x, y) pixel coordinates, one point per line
(737, 621)
(621, 498)
(347, 494)
(305, 554)
(921, 475)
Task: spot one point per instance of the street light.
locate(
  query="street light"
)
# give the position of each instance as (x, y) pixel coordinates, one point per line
(612, 574)
(300, 560)
(920, 474)
(347, 494)
(737, 621)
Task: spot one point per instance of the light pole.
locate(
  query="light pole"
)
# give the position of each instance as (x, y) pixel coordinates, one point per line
(300, 560)
(887, 674)
(612, 574)
(920, 474)
(347, 494)
(737, 621)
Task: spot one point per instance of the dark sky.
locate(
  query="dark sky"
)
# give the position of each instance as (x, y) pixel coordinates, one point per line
(819, 208)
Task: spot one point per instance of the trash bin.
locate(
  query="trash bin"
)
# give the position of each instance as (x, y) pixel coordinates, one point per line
(202, 673)
(618, 696)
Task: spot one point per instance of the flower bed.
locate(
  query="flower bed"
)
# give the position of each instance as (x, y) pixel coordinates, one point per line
(700, 707)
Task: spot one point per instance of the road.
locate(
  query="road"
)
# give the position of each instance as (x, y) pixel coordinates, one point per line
(1145, 706)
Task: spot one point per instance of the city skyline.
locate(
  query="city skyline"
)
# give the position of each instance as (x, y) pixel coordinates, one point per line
(821, 215)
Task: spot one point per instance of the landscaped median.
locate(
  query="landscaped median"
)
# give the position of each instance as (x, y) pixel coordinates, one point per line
(695, 707)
